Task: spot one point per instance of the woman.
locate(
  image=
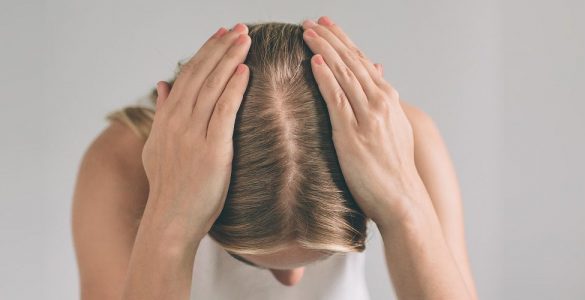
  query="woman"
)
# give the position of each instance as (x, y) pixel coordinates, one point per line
(282, 163)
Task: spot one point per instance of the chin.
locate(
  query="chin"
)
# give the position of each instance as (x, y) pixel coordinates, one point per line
(288, 277)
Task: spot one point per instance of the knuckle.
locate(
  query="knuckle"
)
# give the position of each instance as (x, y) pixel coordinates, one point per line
(184, 70)
(344, 71)
(320, 30)
(375, 121)
(378, 78)
(381, 105)
(335, 28)
(339, 98)
(394, 94)
(212, 81)
(349, 55)
(223, 108)
(188, 67)
(359, 53)
(379, 94)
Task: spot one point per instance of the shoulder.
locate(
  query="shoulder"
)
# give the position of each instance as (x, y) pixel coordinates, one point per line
(111, 170)
(116, 146)
(430, 150)
(110, 192)
(418, 118)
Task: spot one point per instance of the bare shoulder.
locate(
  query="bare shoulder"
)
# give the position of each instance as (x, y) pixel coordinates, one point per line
(417, 117)
(117, 144)
(430, 151)
(113, 160)
(110, 193)
(428, 142)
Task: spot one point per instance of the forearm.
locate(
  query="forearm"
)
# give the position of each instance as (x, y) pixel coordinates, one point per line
(161, 264)
(419, 261)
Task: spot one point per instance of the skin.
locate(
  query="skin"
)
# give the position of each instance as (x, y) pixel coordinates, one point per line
(136, 234)
(287, 266)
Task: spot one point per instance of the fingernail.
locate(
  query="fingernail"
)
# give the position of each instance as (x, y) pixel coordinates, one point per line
(220, 32)
(311, 32)
(319, 59)
(241, 39)
(325, 20)
(240, 69)
(309, 23)
(239, 27)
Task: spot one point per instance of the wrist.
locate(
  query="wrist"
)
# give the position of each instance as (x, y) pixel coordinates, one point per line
(169, 239)
(173, 231)
(410, 207)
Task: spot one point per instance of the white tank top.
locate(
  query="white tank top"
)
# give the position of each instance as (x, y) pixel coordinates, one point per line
(219, 276)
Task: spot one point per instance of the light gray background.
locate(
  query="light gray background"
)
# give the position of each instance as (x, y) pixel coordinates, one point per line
(502, 79)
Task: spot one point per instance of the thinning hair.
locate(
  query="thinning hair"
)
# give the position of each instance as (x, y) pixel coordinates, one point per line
(286, 184)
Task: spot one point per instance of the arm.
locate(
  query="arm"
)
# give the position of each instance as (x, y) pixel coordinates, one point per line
(420, 263)
(161, 264)
(108, 201)
(427, 246)
(437, 172)
(375, 144)
(187, 158)
(184, 168)
(107, 225)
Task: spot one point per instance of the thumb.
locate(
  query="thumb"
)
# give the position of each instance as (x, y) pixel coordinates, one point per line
(162, 90)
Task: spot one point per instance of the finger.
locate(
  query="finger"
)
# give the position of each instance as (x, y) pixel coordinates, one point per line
(349, 57)
(380, 69)
(343, 74)
(223, 118)
(162, 92)
(340, 111)
(215, 84)
(333, 27)
(197, 69)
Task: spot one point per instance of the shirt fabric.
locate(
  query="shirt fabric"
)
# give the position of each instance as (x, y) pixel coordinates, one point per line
(218, 276)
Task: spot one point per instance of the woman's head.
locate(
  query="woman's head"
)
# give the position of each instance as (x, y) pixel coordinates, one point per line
(287, 193)
(286, 186)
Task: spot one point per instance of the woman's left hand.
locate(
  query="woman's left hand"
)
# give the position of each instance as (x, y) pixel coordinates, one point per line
(372, 136)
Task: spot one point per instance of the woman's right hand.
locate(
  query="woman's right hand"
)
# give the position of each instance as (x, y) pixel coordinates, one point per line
(188, 155)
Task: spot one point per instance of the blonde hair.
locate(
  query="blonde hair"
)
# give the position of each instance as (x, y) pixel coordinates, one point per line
(286, 183)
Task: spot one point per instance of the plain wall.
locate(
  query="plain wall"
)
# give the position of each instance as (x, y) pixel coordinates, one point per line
(502, 79)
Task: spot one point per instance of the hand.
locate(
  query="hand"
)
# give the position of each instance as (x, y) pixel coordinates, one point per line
(372, 136)
(188, 155)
